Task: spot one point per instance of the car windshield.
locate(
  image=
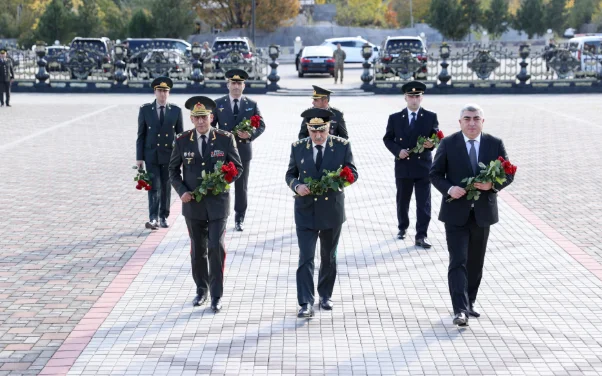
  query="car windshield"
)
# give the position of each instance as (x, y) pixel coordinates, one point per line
(411, 44)
(227, 45)
(592, 46)
(171, 45)
(96, 44)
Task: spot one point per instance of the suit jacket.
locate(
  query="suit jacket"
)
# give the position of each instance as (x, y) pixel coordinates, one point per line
(399, 136)
(155, 141)
(6, 70)
(452, 164)
(326, 211)
(337, 125)
(221, 147)
(223, 118)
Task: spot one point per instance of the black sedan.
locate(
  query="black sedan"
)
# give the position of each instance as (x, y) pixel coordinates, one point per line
(316, 59)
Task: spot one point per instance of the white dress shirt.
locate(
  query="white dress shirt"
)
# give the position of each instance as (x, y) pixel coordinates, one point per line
(477, 144)
(159, 109)
(410, 114)
(232, 102)
(200, 140)
(315, 150)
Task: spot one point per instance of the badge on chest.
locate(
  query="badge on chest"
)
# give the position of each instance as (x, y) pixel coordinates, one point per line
(217, 154)
(189, 156)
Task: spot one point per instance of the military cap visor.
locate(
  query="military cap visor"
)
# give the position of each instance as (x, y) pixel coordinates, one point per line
(237, 75)
(317, 118)
(162, 83)
(200, 105)
(414, 88)
(320, 93)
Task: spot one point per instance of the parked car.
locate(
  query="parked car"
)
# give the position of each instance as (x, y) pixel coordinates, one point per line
(298, 59)
(165, 62)
(234, 52)
(102, 53)
(392, 47)
(57, 58)
(139, 48)
(352, 47)
(588, 50)
(316, 59)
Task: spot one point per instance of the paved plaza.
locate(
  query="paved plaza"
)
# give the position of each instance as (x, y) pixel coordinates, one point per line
(86, 290)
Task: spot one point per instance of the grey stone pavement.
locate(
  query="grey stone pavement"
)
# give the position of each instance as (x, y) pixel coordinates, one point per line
(85, 290)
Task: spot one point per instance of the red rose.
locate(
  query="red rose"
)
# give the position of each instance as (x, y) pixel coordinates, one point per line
(148, 187)
(440, 135)
(255, 120)
(347, 174)
(143, 183)
(138, 187)
(501, 159)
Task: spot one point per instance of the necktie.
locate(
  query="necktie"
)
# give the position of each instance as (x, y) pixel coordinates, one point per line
(473, 157)
(203, 144)
(413, 121)
(235, 107)
(319, 157)
(161, 114)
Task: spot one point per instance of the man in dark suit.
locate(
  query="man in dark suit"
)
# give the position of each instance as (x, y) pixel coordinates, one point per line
(317, 216)
(230, 111)
(466, 222)
(199, 150)
(321, 99)
(7, 75)
(412, 171)
(158, 123)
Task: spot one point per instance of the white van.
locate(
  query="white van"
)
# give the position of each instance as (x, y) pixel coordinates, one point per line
(588, 50)
(352, 47)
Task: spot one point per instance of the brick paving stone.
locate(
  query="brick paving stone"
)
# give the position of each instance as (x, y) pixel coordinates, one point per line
(81, 222)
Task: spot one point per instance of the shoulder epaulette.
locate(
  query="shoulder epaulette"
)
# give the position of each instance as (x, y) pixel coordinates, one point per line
(335, 109)
(223, 132)
(301, 141)
(340, 139)
(146, 104)
(183, 134)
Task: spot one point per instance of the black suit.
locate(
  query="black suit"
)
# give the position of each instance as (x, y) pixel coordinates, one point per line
(6, 74)
(337, 125)
(412, 172)
(318, 216)
(466, 222)
(206, 220)
(224, 118)
(154, 146)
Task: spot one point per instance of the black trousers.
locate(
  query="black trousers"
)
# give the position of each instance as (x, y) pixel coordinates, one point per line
(208, 255)
(240, 192)
(466, 245)
(405, 186)
(329, 240)
(5, 90)
(159, 196)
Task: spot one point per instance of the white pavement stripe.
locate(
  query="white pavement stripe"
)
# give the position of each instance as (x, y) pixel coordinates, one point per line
(57, 126)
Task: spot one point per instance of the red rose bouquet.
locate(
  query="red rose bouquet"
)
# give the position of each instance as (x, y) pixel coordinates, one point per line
(217, 181)
(434, 139)
(495, 173)
(333, 180)
(143, 179)
(248, 125)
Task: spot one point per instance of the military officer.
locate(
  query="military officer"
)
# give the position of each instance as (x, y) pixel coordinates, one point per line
(197, 151)
(339, 62)
(7, 75)
(321, 99)
(412, 171)
(230, 111)
(158, 123)
(317, 216)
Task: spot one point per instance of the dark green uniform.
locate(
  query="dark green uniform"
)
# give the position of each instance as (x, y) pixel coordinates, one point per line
(6, 75)
(318, 216)
(337, 125)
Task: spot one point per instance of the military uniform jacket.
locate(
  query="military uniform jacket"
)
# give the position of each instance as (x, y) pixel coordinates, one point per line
(155, 141)
(399, 136)
(223, 118)
(337, 125)
(326, 211)
(6, 70)
(221, 146)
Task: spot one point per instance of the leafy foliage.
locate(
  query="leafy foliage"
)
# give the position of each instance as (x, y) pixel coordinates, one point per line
(530, 18)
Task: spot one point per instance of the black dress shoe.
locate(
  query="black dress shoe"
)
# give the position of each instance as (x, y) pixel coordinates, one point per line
(471, 311)
(216, 304)
(163, 223)
(326, 303)
(423, 243)
(238, 226)
(199, 300)
(461, 319)
(306, 311)
(153, 225)
(401, 234)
